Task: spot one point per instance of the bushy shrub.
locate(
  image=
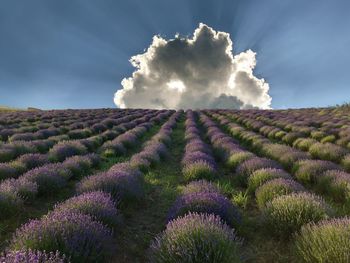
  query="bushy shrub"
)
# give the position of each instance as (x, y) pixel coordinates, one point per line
(288, 159)
(336, 184)
(346, 162)
(197, 145)
(245, 169)
(197, 156)
(48, 178)
(9, 204)
(128, 139)
(150, 156)
(32, 256)
(199, 170)
(98, 205)
(290, 137)
(235, 159)
(139, 162)
(261, 176)
(112, 149)
(274, 188)
(318, 135)
(308, 171)
(196, 238)
(66, 149)
(287, 213)
(327, 151)
(326, 241)
(200, 186)
(6, 171)
(123, 186)
(78, 165)
(7, 155)
(32, 160)
(209, 203)
(21, 187)
(18, 166)
(329, 138)
(304, 143)
(73, 234)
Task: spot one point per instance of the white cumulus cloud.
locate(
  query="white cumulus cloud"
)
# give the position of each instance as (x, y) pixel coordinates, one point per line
(198, 72)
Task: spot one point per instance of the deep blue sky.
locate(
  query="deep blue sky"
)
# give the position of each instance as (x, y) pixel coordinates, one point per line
(73, 54)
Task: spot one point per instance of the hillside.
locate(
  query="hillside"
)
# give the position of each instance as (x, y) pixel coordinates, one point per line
(264, 176)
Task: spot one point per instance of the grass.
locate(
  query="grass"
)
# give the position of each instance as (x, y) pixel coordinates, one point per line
(143, 221)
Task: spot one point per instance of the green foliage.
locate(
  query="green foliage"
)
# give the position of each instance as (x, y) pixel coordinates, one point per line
(287, 213)
(325, 242)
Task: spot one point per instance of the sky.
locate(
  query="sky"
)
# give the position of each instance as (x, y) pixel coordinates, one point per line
(75, 54)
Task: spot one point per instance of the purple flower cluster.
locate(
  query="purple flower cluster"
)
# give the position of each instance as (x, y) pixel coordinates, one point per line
(75, 235)
(284, 154)
(326, 241)
(98, 205)
(32, 160)
(308, 171)
(246, 168)
(274, 188)
(336, 184)
(66, 149)
(208, 203)
(196, 238)
(261, 176)
(32, 256)
(49, 178)
(200, 186)
(124, 186)
(22, 188)
(286, 214)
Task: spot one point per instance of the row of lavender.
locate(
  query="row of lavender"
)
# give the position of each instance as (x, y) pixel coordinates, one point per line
(24, 150)
(81, 228)
(50, 178)
(286, 206)
(325, 176)
(325, 125)
(331, 144)
(200, 223)
(41, 125)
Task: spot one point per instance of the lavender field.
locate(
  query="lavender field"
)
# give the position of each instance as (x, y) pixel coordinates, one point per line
(134, 185)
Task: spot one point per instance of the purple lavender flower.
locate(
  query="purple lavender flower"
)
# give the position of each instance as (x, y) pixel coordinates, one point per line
(196, 238)
(287, 213)
(32, 160)
(76, 235)
(66, 149)
(48, 178)
(329, 236)
(98, 205)
(123, 186)
(21, 187)
(193, 157)
(308, 171)
(249, 166)
(78, 165)
(200, 186)
(276, 187)
(206, 202)
(32, 256)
